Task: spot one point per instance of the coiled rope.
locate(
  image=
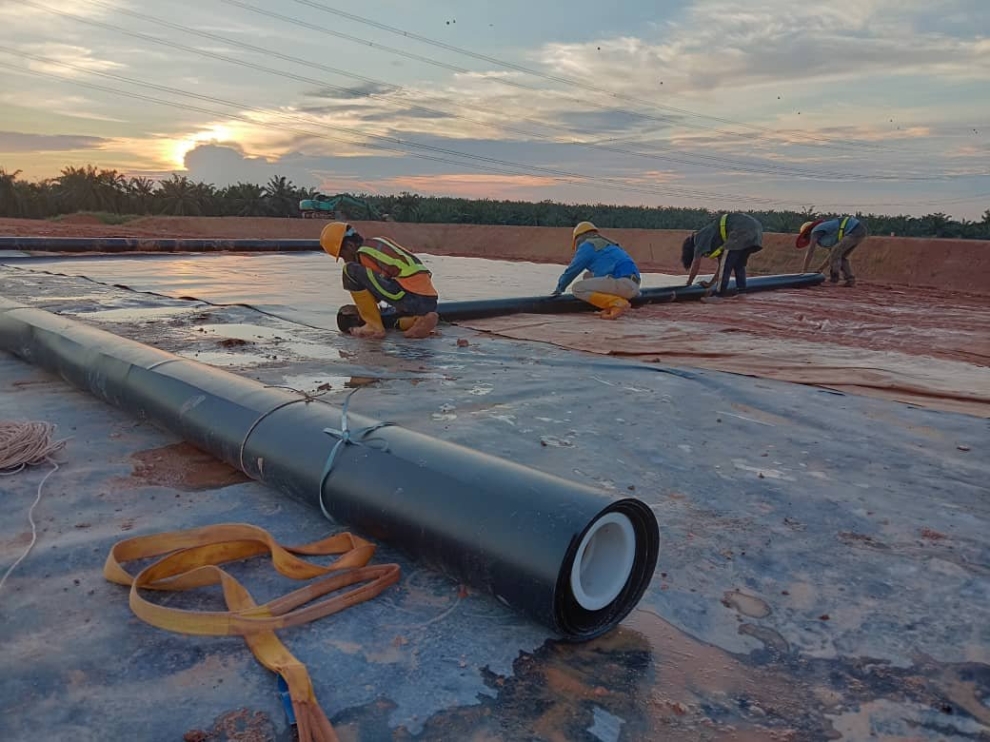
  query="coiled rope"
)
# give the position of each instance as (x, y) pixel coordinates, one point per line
(24, 444)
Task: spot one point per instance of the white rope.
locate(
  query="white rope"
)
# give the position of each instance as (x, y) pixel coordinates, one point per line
(24, 444)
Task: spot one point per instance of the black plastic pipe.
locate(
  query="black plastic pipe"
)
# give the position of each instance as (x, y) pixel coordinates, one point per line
(152, 244)
(482, 308)
(566, 554)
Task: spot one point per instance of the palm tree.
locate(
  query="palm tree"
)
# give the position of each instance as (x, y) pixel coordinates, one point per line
(10, 195)
(141, 192)
(280, 194)
(79, 189)
(178, 196)
(246, 199)
(209, 199)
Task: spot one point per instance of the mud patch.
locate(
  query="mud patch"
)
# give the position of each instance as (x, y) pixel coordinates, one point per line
(233, 342)
(180, 466)
(650, 680)
(241, 725)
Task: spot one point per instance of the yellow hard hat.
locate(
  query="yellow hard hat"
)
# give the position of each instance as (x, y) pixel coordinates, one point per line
(580, 229)
(332, 237)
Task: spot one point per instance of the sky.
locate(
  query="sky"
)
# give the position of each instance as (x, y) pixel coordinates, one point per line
(840, 105)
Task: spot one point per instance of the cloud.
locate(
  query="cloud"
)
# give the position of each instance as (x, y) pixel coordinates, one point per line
(15, 141)
(365, 90)
(80, 57)
(721, 44)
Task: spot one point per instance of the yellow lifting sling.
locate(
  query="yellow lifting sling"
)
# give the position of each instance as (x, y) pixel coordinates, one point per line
(189, 559)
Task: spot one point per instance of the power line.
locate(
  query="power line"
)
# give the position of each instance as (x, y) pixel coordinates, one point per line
(698, 159)
(554, 78)
(502, 167)
(509, 169)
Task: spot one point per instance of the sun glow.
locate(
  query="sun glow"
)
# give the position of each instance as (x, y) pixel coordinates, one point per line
(177, 149)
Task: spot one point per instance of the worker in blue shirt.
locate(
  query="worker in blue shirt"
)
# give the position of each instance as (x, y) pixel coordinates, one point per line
(841, 235)
(611, 277)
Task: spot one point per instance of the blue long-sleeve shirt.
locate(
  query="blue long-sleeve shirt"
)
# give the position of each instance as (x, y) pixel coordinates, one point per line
(828, 232)
(604, 259)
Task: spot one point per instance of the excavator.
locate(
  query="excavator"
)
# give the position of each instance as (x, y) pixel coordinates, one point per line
(341, 206)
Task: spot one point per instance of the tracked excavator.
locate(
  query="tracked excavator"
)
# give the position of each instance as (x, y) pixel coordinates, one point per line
(341, 206)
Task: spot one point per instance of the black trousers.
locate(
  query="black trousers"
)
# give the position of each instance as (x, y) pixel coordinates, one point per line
(735, 262)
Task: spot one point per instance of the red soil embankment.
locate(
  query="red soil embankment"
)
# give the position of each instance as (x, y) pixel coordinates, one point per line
(955, 265)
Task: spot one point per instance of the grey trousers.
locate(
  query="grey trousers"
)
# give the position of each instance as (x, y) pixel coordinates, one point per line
(838, 256)
(624, 287)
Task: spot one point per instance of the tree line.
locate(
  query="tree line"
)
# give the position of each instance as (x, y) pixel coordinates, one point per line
(96, 190)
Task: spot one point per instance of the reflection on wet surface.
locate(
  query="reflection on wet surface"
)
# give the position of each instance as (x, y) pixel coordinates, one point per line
(818, 601)
(648, 680)
(303, 287)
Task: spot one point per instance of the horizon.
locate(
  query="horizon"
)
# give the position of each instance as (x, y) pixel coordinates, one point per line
(872, 106)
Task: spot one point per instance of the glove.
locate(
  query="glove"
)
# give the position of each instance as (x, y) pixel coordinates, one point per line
(556, 292)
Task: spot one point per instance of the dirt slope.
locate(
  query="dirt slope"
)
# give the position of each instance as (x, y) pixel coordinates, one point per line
(957, 265)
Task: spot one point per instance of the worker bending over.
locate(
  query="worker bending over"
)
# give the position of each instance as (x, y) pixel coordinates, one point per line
(611, 277)
(841, 235)
(381, 270)
(730, 239)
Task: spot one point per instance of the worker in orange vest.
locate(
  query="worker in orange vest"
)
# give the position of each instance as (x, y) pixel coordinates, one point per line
(380, 269)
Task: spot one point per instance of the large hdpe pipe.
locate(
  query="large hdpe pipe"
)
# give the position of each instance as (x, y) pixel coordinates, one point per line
(566, 554)
(482, 308)
(153, 244)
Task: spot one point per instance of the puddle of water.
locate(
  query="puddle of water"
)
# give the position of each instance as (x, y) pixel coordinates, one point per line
(306, 287)
(279, 342)
(139, 314)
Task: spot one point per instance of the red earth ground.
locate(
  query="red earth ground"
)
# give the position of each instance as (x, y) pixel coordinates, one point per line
(955, 265)
(915, 299)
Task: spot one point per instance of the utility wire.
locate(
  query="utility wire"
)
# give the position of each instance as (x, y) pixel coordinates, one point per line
(699, 159)
(399, 145)
(511, 169)
(557, 78)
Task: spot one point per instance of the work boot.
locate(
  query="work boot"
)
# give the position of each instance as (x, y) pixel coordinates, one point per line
(618, 308)
(367, 307)
(850, 282)
(423, 326)
(833, 278)
(612, 306)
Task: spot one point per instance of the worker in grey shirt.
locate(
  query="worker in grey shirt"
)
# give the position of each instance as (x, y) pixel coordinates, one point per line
(841, 236)
(730, 239)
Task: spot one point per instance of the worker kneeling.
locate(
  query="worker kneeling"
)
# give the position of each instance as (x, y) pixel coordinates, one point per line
(611, 277)
(381, 270)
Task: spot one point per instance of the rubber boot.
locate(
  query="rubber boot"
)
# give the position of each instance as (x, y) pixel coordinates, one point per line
(404, 323)
(367, 307)
(612, 306)
(423, 326)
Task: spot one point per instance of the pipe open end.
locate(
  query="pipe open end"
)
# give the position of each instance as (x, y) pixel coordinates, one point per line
(604, 561)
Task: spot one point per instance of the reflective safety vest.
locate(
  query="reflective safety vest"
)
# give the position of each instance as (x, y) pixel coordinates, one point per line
(392, 255)
(842, 229)
(722, 232)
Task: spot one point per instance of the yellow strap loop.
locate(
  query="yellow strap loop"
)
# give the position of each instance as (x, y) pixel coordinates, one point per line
(842, 228)
(189, 560)
(722, 232)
